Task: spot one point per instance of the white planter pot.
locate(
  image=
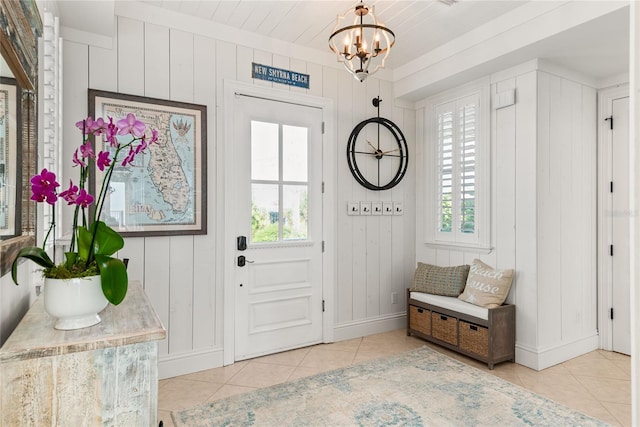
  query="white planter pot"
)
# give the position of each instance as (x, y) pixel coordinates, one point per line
(75, 303)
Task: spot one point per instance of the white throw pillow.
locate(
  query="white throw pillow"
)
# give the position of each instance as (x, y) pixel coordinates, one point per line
(486, 286)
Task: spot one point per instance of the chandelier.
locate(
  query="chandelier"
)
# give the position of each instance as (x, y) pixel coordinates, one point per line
(361, 43)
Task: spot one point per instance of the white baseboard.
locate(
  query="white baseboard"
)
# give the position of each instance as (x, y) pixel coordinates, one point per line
(187, 363)
(540, 359)
(375, 325)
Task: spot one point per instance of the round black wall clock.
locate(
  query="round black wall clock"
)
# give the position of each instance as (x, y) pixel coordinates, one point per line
(377, 154)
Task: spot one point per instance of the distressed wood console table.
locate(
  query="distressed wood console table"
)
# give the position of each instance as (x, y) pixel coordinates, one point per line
(104, 375)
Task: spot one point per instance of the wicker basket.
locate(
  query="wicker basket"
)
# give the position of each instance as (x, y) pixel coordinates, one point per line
(474, 338)
(420, 319)
(444, 328)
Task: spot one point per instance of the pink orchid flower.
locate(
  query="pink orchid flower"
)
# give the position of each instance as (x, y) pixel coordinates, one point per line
(131, 125)
(85, 125)
(142, 146)
(129, 157)
(110, 134)
(43, 187)
(77, 160)
(103, 160)
(154, 136)
(84, 199)
(86, 150)
(98, 126)
(70, 195)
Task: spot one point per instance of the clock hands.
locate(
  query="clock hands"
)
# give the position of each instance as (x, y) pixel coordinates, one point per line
(391, 151)
(378, 152)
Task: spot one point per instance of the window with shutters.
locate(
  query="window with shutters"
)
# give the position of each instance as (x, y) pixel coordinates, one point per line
(456, 171)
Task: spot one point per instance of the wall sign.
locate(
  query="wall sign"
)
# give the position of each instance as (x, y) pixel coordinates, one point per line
(278, 75)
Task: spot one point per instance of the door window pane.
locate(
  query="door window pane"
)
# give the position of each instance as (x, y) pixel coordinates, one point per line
(295, 208)
(265, 213)
(264, 151)
(279, 182)
(294, 153)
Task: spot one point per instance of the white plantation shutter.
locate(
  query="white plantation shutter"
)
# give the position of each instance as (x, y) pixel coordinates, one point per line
(467, 164)
(456, 153)
(445, 168)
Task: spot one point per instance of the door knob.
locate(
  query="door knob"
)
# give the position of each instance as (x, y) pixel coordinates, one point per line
(242, 260)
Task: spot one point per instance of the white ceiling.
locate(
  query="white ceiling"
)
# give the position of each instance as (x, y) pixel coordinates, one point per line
(419, 25)
(598, 48)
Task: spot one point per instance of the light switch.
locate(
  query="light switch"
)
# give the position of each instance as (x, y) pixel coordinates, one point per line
(387, 208)
(398, 208)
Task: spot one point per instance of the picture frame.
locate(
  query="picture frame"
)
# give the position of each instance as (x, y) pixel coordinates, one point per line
(164, 191)
(10, 159)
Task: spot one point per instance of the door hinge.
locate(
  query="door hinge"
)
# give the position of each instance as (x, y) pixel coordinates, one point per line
(322, 187)
(323, 306)
(611, 250)
(323, 246)
(611, 313)
(610, 119)
(323, 128)
(611, 187)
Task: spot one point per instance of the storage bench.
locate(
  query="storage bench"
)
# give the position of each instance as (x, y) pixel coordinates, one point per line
(485, 334)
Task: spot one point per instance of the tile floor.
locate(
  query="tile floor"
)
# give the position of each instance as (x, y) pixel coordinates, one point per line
(597, 383)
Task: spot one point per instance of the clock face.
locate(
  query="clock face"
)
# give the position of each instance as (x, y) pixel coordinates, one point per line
(377, 154)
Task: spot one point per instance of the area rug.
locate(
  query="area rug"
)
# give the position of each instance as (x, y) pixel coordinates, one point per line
(418, 388)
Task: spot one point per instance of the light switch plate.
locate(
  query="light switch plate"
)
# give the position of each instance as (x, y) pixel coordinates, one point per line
(353, 208)
(365, 208)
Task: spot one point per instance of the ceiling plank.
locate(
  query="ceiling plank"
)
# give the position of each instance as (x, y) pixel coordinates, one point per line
(240, 14)
(206, 9)
(277, 16)
(224, 11)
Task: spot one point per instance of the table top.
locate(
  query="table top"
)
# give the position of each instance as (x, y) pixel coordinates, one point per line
(132, 321)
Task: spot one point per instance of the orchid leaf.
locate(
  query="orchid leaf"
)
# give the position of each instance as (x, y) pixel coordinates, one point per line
(84, 242)
(113, 275)
(35, 254)
(71, 258)
(107, 241)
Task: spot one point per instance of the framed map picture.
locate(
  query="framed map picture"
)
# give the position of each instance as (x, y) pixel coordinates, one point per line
(164, 191)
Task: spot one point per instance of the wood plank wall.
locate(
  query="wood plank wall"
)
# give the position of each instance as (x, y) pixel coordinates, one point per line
(543, 213)
(182, 275)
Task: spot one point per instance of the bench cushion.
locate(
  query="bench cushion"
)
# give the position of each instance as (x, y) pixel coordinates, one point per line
(452, 303)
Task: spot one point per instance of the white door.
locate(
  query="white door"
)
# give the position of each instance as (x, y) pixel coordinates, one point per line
(621, 308)
(278, 213)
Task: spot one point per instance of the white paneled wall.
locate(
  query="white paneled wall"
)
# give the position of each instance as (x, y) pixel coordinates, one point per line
(182, 275)
(543, 212)
(566, 209)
